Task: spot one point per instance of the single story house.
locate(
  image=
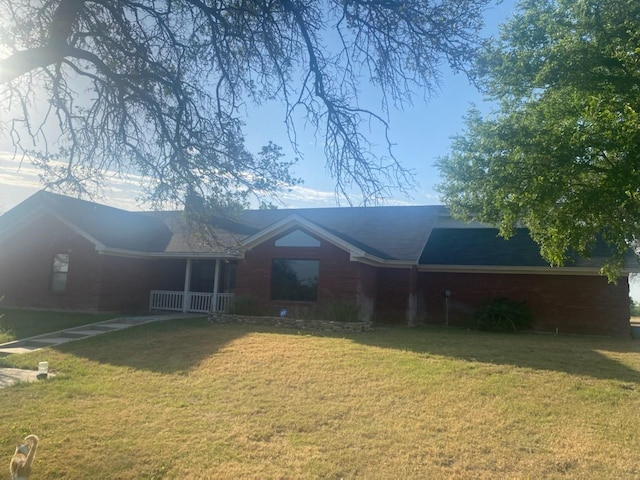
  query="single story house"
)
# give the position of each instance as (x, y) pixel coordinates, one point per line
(399, 264)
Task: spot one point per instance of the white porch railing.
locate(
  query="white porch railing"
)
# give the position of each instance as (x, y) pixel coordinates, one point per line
(198, 302)
(166, 300)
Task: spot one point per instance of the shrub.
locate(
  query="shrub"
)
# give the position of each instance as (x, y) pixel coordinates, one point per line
(503, 315)
(245, 305)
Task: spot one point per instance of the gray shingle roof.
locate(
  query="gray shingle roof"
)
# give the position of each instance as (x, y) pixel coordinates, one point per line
(390, 233)
(481, 247)
(113, 227)
(484, 247)
(407, 234)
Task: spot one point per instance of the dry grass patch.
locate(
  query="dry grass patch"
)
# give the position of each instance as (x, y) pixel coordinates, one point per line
(188, 399)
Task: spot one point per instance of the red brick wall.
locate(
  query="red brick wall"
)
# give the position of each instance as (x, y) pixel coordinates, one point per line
(339, 279)
(26, 265)
(94, 282)
(126, 283)
(570, 303)
(393, 295)
(367, 294)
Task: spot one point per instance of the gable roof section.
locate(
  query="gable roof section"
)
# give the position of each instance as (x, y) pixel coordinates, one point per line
(293, 221)
(390, 234)
(106, 227)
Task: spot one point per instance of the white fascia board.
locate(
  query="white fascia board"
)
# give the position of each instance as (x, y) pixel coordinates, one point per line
(297, 221)
(116, 252)
(590, 271)
(380, 262)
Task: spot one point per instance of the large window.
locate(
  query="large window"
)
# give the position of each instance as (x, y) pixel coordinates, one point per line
(59, 272)
(294, 280)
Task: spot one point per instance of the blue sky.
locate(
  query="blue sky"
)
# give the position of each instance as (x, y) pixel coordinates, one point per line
(421, 133)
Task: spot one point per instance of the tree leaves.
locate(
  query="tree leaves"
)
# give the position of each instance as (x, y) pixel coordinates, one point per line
(562, 152)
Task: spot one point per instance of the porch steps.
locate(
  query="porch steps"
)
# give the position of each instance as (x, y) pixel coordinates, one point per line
(53, 339)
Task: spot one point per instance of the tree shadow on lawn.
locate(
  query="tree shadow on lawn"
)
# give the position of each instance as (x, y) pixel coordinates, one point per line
(169, 346)
(575, 355)
(176, 346)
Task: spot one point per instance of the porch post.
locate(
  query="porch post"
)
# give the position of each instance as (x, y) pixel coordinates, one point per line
(216, 287)
(187, 287)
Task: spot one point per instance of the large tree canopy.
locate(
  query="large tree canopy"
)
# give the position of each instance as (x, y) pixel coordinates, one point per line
(159, 87)
(561, 153)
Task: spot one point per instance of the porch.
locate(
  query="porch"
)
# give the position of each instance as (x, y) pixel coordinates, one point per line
(189, 302)
(195, 286)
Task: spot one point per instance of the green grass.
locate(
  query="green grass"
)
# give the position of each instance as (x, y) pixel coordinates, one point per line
(190, 399)
(16, 324)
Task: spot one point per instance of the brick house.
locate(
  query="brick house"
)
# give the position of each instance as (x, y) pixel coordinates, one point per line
(400, 265)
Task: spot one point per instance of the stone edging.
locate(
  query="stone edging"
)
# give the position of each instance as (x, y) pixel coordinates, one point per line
(318, 325)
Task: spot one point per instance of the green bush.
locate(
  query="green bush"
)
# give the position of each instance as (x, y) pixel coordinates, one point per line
(503, 315)
(635, 308)
(245, 305)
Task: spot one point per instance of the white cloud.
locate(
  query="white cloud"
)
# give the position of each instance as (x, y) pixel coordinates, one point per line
(20, 179)
(299, 196)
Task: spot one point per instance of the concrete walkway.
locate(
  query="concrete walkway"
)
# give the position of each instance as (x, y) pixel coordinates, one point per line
(78, 333)
(11, 376)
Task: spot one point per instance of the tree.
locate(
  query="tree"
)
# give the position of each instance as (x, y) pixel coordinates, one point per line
(158, 87)
(561, 152)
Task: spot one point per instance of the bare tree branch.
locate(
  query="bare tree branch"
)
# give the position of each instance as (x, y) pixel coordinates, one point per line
(157, 87)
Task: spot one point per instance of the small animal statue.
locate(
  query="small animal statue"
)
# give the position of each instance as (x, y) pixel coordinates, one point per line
(20, 466)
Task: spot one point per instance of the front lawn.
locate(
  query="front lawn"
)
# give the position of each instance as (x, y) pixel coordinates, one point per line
(190, 399)
(16, 324)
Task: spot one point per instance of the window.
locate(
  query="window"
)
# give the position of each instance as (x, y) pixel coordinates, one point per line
(297, 238)
(294, 280)
(59, 272)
